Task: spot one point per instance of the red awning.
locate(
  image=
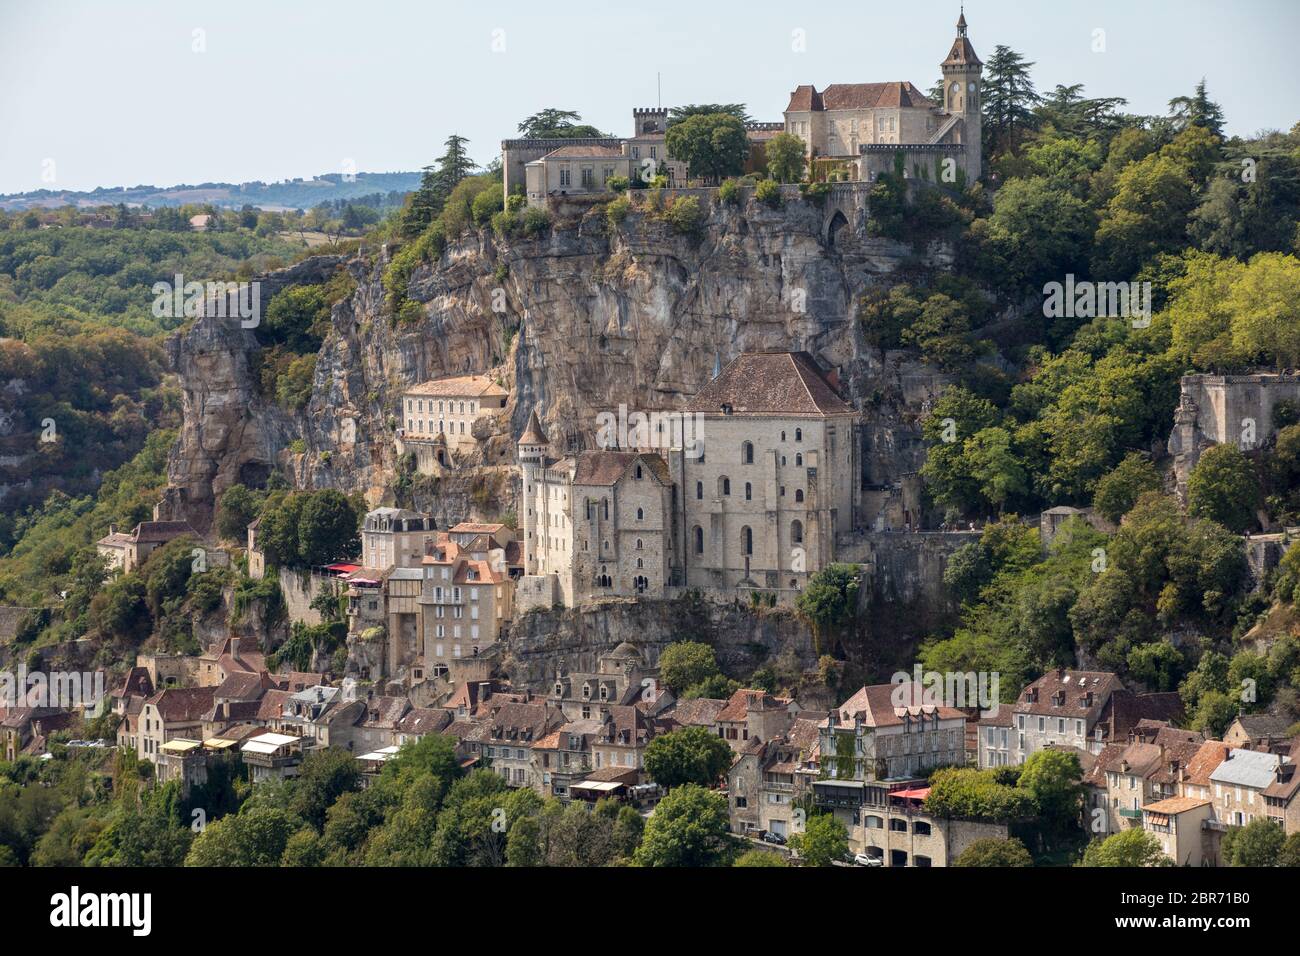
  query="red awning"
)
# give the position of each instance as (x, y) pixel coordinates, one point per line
(343, 568)
(919, 794)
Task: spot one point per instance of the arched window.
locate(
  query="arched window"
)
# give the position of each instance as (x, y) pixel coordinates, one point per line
(699, 491)
(798, 461)
(640, 563)
(638, 472)
(604, 502)
(746, 540)
(638, 544)
(640, 515)
(798, 434)
(699, 540)
(724, 486)
(798, 494)
(747, 453)
(782, 436)
(796, 532)
(749, 492)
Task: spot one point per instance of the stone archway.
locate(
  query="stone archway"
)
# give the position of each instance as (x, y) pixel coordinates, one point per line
(837, 222)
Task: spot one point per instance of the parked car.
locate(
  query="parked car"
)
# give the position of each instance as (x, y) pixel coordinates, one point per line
(771, 837)
(861, 859)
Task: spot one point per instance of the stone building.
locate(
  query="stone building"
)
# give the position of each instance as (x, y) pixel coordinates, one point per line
(1226, 409)
(595, 524)
(774, 477)
(860, 128)
(394, 537)
(871, 737)
(437, 418)
(621, 678)
(754, 498)
(126, 552)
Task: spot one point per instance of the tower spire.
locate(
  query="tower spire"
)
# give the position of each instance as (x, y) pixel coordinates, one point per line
(961, 22)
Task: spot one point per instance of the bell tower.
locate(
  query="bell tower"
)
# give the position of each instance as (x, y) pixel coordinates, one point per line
(961, 97)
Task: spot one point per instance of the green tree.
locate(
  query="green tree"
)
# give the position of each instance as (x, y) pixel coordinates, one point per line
(327, 528)
(254, 837)
(714, 145)
(823, 842)
(557, 124)
(236, 511)
(1126, 848)
(686, 663)
(785, 158)
(1198, 110)
(830, 600)
(1009, 100)
(1223, 488)
(1053, 778)
(1258, 843)
(325, 775)
(690, 827)
(687, 755)
(1118, 491)
(991, 851)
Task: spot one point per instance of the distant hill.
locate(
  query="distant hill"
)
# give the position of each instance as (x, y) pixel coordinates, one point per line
(290, 194)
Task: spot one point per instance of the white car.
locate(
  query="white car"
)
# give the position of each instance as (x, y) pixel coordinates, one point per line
(861, 859)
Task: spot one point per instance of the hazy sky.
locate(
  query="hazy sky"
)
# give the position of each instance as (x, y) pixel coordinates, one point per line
(119, 93)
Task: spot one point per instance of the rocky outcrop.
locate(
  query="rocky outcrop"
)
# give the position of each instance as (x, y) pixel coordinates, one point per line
(574, 638)
(574, 323)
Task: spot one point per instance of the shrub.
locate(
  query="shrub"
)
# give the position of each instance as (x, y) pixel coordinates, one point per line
(617, 183)
(487, 203)
(768, 193)
(686, 216)
(617, 210)
(729, 192)
(815, 192)
(536, 221)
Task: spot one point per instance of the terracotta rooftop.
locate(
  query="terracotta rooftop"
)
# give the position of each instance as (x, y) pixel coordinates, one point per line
(1172, 805)
(771, 383)
(875, 704)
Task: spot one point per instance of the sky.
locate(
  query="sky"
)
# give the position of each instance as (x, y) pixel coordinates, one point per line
(162, 92)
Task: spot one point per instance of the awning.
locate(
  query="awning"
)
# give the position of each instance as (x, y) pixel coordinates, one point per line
(600, 786)
(343, 568)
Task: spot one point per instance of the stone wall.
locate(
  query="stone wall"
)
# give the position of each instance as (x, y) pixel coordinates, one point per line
(1217, 409)
(743, 638)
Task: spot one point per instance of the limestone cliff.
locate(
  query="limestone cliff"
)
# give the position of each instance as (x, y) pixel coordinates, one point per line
(586, 318)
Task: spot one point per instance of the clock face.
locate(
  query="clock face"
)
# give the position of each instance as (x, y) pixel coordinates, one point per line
(971, 87)
(956, 87)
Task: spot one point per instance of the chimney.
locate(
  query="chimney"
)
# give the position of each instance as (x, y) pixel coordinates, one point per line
(484, 690)
(1060, 673)
(234, 647)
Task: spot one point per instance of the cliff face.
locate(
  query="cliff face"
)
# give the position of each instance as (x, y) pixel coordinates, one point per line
(576, 323)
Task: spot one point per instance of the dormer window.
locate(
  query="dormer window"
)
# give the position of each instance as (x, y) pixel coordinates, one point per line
(586, 692)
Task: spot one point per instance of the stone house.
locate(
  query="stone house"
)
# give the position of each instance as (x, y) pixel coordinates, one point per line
(1239, 784)
(754, 715)
(511, 733)
(577, 170)
(174, 712)
(1257, 731)
(871, 737)
(621, 678)
(768, 777)
(26, 729)
(437, 418)
(595, 524)
(226, 657)
(1179, 823)
(126, 552)
(1083, 709)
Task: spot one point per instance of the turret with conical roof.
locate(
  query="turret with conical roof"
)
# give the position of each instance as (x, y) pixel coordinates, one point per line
(533, 443)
